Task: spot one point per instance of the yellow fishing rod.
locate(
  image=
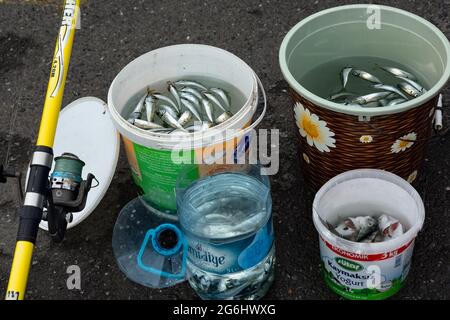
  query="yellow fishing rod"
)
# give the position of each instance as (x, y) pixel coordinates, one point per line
(38, 180)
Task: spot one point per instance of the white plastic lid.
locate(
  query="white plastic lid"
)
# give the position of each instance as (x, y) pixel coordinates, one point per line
(85, 129)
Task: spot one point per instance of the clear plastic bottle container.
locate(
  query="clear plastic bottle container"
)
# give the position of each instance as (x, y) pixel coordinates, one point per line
(226, 219)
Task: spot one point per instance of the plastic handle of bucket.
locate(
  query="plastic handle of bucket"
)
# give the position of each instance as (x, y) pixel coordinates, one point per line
(150, 236)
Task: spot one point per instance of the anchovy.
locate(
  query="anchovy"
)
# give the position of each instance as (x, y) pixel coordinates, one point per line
(214, 99)
(223, 117)
(389, 226)
(390, 88)
(357, 228)
(190, 97)
(207, 106)
(409, 89)
(167, 118)
(190, 106)
(169, 109)
(340, 95)
(145, 124)
(371, 97)
(344, 75)
(137, 112)
(365, 76)
(192, 91)
(190, 83)
(150, 107)
(166, 99)
(396, 101)
(383, 102)
(185, 118)
(174, 92)
(223, 95)
(374, 237)
(398, 72)
(420, 88)
(345, 229)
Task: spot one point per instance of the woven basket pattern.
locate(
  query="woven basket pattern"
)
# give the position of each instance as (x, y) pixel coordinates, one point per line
(354, 151)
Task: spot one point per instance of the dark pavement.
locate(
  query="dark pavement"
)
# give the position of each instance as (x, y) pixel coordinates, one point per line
(115, 32)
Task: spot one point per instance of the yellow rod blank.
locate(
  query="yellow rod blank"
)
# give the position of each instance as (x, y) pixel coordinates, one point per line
(19, 271)
(24, 249)
(58, 73)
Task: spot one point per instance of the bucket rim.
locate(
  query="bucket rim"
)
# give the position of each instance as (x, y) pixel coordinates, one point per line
(355, 110)
(377, 247)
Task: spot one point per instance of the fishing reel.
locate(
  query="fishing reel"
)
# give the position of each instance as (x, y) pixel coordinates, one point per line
(67, 194)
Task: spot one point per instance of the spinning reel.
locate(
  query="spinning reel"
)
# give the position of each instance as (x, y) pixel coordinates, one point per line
(66, 193)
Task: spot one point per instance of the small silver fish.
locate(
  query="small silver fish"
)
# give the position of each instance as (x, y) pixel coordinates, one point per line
(167, 118)
(190, 83)
(345, 229)
(167, 100)
(190, 97)
(150, 107)
(371, 97)
(223, 95)
(174, 92)
(389, 227)
(169, 109)
(340, 94)
(365, 76)
(185, 117)
(398, 72)
(207, 124)
(396, 101)
(383, 102)
(137, 111)
(416, 85)
(192, 91)
(389, 88)
(142, 124)
(357, 228)
(214, 99)
(208, 108)
(191, 107)
(344, 75)
(373, 237)
(223, 117)
(409, 89)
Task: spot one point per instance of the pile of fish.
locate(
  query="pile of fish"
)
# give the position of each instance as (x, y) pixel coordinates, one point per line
(407, 88)
(368, 229)
(187, 107)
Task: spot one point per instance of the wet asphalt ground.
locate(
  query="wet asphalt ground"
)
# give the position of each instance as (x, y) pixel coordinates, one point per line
(115, 32)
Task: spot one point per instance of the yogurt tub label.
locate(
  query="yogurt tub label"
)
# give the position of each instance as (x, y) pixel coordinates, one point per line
(232, 256)
(365, 276)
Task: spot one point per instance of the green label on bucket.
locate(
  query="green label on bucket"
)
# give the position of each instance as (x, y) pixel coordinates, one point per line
(362, 276)
(158, 176)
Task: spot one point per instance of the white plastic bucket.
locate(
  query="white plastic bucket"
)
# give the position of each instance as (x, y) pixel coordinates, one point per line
(367, 271)
(150, 154)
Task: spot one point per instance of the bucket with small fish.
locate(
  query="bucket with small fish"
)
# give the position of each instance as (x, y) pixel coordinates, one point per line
(365, 81)
(183, 105)
(367, 221)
